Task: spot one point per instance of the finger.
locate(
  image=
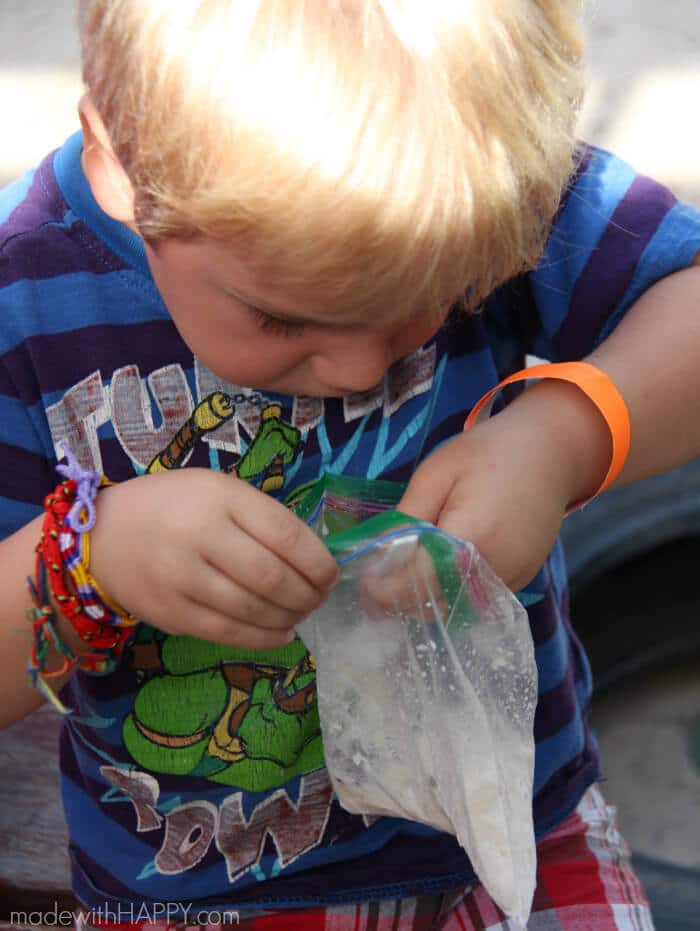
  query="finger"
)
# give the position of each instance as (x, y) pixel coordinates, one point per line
(231, 598)
(410, 588)
(423, 499)
(277, 529)
(216, 627)
(252, 567)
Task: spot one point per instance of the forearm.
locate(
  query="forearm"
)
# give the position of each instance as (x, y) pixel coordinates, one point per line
(570, 434)
(654, 359)
(18, 697)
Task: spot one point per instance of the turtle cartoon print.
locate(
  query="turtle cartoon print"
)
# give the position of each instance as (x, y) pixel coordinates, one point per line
(219, 712)
(237, 717)
(275, 445)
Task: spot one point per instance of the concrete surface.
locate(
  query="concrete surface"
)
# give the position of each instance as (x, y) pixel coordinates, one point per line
(643, 88)
(646, 732)
(39, 80)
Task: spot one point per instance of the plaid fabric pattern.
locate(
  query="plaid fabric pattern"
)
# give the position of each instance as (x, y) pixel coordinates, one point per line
(584, 883)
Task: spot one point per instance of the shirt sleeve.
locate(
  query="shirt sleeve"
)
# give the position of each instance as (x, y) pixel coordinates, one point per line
(26, 449)
(26, 472)
(27, 456)
(615, 235)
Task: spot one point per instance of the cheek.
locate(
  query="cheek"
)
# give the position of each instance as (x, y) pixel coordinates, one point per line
(251, 364)
(231, 345)
(180, 296)
(414, 335)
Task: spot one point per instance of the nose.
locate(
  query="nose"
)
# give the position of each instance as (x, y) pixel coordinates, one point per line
(353, 362)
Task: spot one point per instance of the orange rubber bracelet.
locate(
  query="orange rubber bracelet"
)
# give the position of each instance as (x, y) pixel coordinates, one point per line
(597, 386)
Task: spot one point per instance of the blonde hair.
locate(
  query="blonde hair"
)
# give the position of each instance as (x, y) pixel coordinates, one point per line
(367, 152)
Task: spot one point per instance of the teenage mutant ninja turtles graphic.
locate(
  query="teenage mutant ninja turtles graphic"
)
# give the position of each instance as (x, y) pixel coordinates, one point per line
(275, 445)
(238, 717)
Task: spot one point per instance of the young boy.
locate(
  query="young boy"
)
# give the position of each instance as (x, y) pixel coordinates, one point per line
(262, 260)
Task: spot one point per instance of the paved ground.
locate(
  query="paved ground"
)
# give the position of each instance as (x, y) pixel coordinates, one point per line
(644, 84)
(39, 80)
(661, 714)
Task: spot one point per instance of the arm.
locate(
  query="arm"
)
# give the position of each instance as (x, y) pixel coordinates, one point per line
(653, 356)
(619, 286)
(229, 565)
(654, 359)
(507, 483)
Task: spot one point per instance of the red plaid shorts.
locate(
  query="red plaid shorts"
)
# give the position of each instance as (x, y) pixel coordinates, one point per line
(584, 883)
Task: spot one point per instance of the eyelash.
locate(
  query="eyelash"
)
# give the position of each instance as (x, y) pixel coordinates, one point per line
(275, 325)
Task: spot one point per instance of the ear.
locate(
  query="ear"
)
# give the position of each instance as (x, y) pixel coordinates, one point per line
(107, 179)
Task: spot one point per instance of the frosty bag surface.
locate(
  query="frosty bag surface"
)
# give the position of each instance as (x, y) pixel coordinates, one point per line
(427, 688)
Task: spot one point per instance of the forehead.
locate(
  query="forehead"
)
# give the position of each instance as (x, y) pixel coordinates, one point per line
(230, 270)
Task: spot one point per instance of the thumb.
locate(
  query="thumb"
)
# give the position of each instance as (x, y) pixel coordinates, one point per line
(424, 497)
(442, 505)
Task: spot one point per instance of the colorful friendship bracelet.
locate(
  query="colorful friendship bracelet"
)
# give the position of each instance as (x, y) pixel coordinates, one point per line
(105, 629)
(44, 636)
(64, 549)
(598, 387)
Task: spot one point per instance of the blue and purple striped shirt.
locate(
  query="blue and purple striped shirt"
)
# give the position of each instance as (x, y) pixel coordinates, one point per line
(193, 772)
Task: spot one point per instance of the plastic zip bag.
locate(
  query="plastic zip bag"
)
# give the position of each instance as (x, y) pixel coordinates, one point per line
(339, 502)
(427, 684)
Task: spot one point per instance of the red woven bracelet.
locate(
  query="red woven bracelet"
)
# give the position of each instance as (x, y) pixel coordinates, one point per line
(97, 623)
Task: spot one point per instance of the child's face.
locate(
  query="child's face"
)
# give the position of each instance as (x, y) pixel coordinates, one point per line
(248, 334)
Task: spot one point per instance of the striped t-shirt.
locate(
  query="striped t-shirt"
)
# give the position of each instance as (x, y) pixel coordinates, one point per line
(193, 772)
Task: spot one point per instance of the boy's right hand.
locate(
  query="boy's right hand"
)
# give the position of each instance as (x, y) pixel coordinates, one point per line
(203, 553)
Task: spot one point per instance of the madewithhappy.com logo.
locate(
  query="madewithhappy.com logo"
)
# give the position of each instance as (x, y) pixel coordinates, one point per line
(172, 913)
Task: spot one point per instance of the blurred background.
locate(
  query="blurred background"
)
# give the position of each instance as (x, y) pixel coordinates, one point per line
(644, 84)
(638, 612)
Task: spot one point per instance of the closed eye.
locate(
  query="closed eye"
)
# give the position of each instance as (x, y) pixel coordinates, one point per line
(271, 324)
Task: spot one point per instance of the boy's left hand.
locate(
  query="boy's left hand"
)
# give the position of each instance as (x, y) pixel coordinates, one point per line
(506, 484)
